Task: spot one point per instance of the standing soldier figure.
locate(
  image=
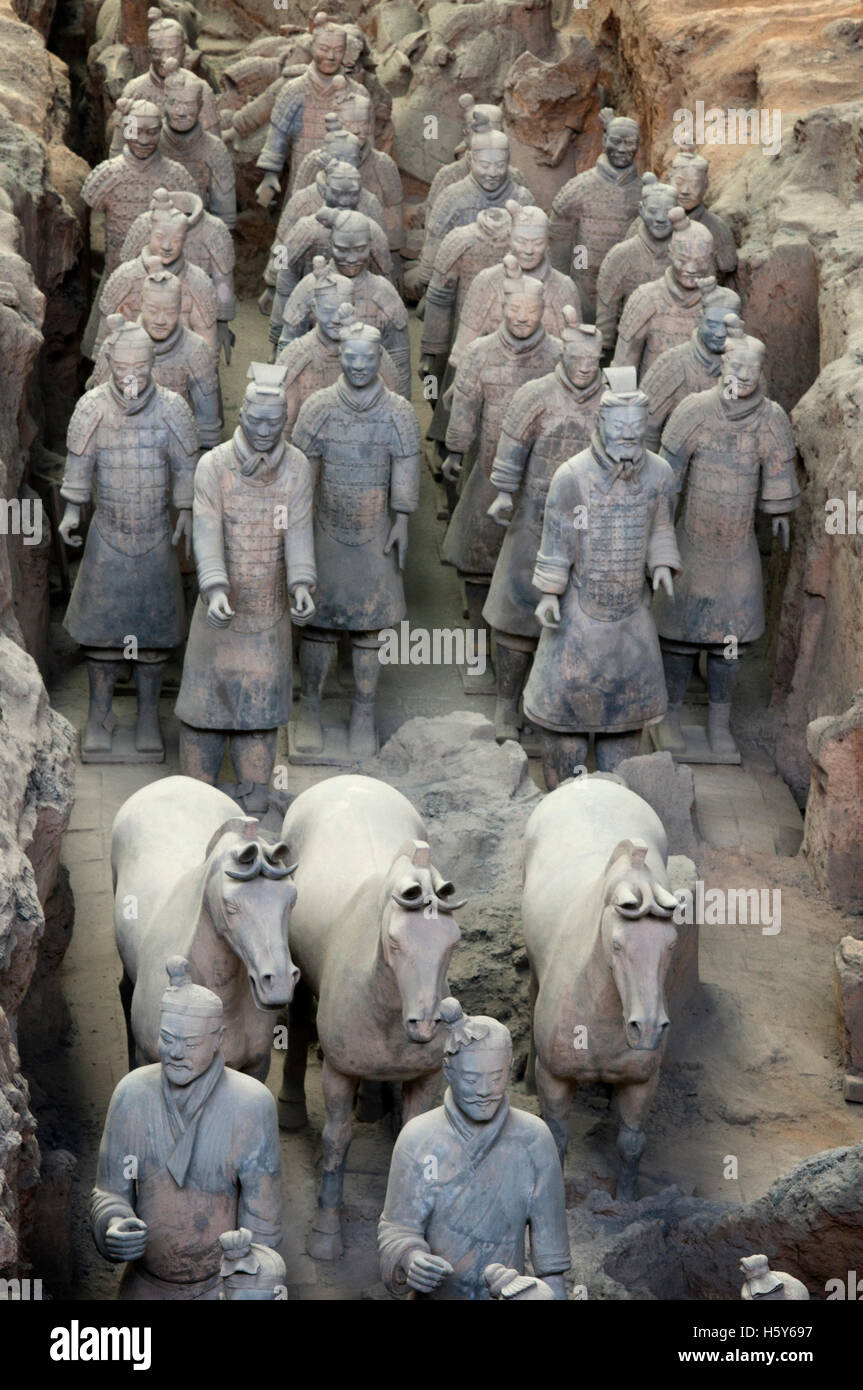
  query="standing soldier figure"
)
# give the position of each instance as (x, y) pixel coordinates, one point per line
(203, 155)
(642, 257)
(663, 313)
(167, 43)
(691, 366)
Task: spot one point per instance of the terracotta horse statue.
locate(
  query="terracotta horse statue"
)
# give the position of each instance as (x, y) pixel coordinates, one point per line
(373, 935)
(192, 877)
(597, 922)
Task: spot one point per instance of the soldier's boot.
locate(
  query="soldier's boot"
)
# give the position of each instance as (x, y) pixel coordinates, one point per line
(611, 749)
(668, 736)
(721, 675)
(201, 753)
(475, 596)
(563, 756)
(148, 683)
(362, 739)
(101, 722)
(315, 658)
(512, 669)
(253, 755)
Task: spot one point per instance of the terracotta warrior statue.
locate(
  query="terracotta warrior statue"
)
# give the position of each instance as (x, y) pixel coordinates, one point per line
(664, 312)
(363, 443)
(360, 64)
(378, 172)
(190, 1149)
(691, 366)
(593, 210)
(375, 299)
(688, 176)
(764, 1285)
(507, 1285)
(256, 572)
(732, 451)
(491, 371)
(546, 422)
(208, 244)
(204, 155)
(483, 307)
(167, 43)
(182, 361)
(607, 540)
(165, 250)
(469, 1179)
(642, 257)
(135, 446)
(250, 1273)
(314, 360)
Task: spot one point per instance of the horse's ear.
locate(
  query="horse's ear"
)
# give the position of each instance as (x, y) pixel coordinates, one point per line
(247, 826)
(634, 850)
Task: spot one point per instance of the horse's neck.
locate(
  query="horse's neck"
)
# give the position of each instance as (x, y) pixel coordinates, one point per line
(210, 955)
(362, 960)
(583, 952)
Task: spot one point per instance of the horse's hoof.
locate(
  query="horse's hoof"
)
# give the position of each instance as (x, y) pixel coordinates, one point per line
(325, 1245)
(292, 1114)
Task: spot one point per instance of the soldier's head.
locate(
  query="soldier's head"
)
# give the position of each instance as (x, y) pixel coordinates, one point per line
(351, 239)
(341, 184)
(184, 97)
(528, 238)
(161, 302)
(477, 1061)
(191, 1026)
(692, 250)
(479, 115)
(358, 56)
(331, 292)
(489, 159)
(582, 349)
(250, 1273)
(622, 417)
(165, 39)
(688, 176)
(620, 138)
(329, 42)
(742, 360)
(264, 411)
(168, 228)
(130, 354)
(360, 349)
(340, 143)
(141, 125)
(657, 200)
(523, 299)
(354, 110)
(716, 303)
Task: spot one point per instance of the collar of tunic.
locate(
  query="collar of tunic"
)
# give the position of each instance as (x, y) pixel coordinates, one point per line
(184, 1105)
(181, 138)
(652, 244)
(359, 397)
(130, 405)
(258, 468)
(518, 346)
(318, 81)
(707, 359)
(499, 196)
(581, 393)
(136, 163)
(175, 268)
(476, 1139)
(619, 176)
(685, 297)
(166, 346)
(744, 405)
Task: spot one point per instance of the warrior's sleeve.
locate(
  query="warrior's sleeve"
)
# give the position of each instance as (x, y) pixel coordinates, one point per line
(389, 372)
(308, 432)
(395, 338)
(405, 474)
(308, 170)
(441, 297)
(438, 223)
(98, 184)
(392, 200)
(549, 1239)
(518, 434)
(381, 260)
(680, 437)
(299, 543)
(259, 1208)
(255, 112)
(77, 485)
(780, 491)
(286, 122)
(563, 225)
(204, 393)
(407, 1208)
(466, 413)
(609, 293)
(664, 386)
(205, 311)
(662, 542)
(291, 255)
(473, 321)
(220, 267)
(114, 1191)
(633, 328)
(207, 528)
(557, 551)
(223, 185)
(297, 318)
(184, 447)
(136, 238)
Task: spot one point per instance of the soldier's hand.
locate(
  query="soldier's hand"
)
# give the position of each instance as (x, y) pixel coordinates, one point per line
(501, 509)
(426, 366)
(219, 611)
(71, 521)
(427, 1272)
(303, 604)
(226, 339)
(126, 1238)
(452, 467)
(398, 537)
(230, 135)
(267, 189)
(782, 528)
(184, 528)
(662, 576)
(548, 611)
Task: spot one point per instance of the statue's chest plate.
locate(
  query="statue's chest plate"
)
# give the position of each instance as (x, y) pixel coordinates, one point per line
(612, 582)
(722, 490)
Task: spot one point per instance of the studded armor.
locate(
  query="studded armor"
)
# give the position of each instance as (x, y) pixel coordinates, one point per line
(376, 302)
(483, 306)
(199, 305)
(183, 363)
(657, 316)
(633, 262)
(208, 244)
(122, 187)
(206, 159)
(148, 86)
(298, 122)
(463, 253)
(593, 210)
(305, 240)
(459, 204)
(678, 372)
(312, 363)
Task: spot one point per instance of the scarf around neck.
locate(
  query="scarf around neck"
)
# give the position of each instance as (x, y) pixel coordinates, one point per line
(359, 398)
(476, 1139)
(518, 346)
(618, 176)
(257, 467)
(581, 393)
(130, 405)
(185, 1105)
(687, 298)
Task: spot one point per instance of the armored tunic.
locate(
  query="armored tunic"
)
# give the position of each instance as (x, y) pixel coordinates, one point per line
(208, 244)
(723, 237)
(459, 204)
(547, 421)
(490, 373)
(364, 449)
(304, 202)
(376, 302)
(140, 456)
(657, 316)
(679, 371)
(312, 363)
(451, 173)
(298, 122)
(463, 253)
(604, 534)
(593, 210)
(253, 537)
(122, 188)
(729, 457)
(305, 240)
(483, 306)
(633, 262)
(199, 304)
(149, 86)
(208, 1161)
(208, 161)
(184, 363)
(492, 1183)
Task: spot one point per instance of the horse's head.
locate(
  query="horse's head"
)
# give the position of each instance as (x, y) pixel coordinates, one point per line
(638, 938)
(250, 898)
(418, 936)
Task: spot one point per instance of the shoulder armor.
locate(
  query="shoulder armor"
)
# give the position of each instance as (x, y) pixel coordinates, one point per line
(405, 424)
(454, 244)
(389, 175)
(611, 271)
(778, 426)
(85, 419)
(566, 199)
(387, 297)
(200, 362)
(201, 286)
(664, 377)
(637, 312)
(686, 418)
(118, 285)
(220, 244)
(179, 419)
(288, 105)
(136, 238)
(181, 180)
(101, 180)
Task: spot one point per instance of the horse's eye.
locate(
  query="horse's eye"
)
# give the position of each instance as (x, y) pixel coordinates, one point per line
(616, 946)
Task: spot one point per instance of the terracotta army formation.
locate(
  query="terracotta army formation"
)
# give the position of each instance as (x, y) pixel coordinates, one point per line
(135, 446)
(250, 1272)
(688, 176)
(691, 366)
(379, 174)
(252, 520)
(363, 443)
(642, 257)
(205, 1144)
(663, 313)
(507, 1285)
(167, 44)
(165, 250)
(764, 1285)
(607, 525)
(182, 360)
(594, 210)
(375, 299)
(732, 451)
(547, 421)
(314, 361)
(492, 369)
(202, 154)
(495, 1175)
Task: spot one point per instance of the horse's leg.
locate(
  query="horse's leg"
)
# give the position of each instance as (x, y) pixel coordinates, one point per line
(555, 1096)
(530, 1070)
(633, 1102)
(325, 1239)
(127, 989)
(292, 1096)
(420, 1094)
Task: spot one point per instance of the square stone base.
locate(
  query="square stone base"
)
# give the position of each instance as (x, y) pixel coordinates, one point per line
(334, 753)
(697, 749)
(122, 749)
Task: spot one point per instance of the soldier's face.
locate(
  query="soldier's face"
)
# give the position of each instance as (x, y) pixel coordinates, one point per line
(360, 361)
(328, 51)
(163, 48)
(654, 214)
(326, 306)
(622, 428)
(620, 145)
(522, 314)
(689, 266)
(712, 327)
(160, 313)
(167, 237)
(581, 367)
(131, 368)
(183, 108)
(742, 368)
(342, 192)
(478, 1079)
(350, 251)
(489, 168)
(263, 424)
(187, 1046)
(529, 246)
(143, 134)
(691, 185)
